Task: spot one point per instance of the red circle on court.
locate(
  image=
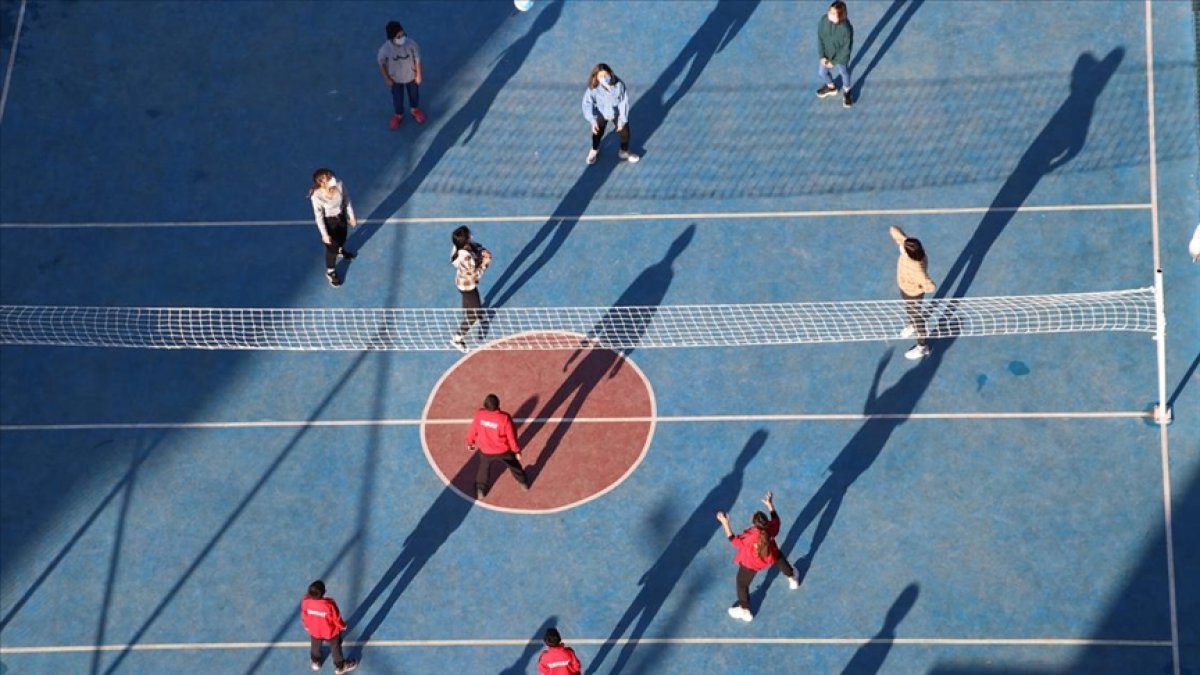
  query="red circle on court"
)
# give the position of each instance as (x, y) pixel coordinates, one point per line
(584, 420)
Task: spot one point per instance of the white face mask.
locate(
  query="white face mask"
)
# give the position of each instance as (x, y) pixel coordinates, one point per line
(399, 42)
(331, 183)
(606, 80)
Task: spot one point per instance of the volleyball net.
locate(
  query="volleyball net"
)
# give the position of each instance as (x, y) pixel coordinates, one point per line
(619, 328)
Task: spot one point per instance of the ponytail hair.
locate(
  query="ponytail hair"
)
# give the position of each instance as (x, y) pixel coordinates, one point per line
(763, 546)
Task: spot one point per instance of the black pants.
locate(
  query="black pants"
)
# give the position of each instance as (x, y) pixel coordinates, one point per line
(912, 307)
(745, 575)
(485, 469)
(337, 227)
(472, 310)
(622, 133)
(335, 648)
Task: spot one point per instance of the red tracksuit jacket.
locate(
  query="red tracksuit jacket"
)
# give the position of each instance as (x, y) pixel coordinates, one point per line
(746, 541)
(560, 660)
(321, 618)
(493, 433)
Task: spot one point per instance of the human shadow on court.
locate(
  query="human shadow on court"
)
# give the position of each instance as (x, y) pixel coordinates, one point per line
(870, 657)
(648, 112)
(522, 664)
(662, 577)
(619, 326)
(463, 124)
(1059, 141)
(860, 78)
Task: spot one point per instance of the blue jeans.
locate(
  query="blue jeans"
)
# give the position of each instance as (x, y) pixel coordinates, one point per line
(414, 96)
(826, 75)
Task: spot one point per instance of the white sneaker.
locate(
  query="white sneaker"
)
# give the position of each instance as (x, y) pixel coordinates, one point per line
(909, 331)
(793, 583)
(628, 157)
(459, 342)
(740, 613)
(917, 352)
(592, 155)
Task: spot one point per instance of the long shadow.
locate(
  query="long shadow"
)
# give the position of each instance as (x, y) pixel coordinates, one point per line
(461, 126)
(615, 327)
(658, 581)
(444, 516)
(521, 665)
(233, 516)
(1187, 377)
(647, 114)
(910, 8)
(870, 657)
(1061, 140)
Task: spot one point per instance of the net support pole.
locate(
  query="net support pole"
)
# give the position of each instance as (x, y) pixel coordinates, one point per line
(1162, 411)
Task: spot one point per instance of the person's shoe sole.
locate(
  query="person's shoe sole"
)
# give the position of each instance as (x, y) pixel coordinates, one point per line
(822, 93)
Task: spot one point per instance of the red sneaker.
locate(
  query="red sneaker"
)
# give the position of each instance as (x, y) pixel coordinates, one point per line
(418, 115)
(395, 123)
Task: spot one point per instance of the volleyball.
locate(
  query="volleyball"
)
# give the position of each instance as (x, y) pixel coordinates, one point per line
(523, 5)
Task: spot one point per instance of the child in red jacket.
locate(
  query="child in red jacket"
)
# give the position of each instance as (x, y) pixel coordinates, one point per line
(756, 551)
(323, 621)
(557, 658)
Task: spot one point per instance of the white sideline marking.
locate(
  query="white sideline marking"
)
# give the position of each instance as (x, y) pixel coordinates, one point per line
(12, 60)
(520, 642)
(665, 419)
(1164, 448)
(736, 215)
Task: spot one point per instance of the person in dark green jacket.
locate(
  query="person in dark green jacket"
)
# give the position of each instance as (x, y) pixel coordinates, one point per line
(835, 40)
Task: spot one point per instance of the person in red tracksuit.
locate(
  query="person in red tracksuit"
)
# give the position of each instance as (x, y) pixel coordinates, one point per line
(323, 621)
(756, 551)
(557, 658)
(493, 435)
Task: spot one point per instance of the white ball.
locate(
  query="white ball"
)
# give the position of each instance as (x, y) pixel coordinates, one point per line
(523, 5)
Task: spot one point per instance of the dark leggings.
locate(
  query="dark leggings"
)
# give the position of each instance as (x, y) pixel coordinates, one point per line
(335, 650)
(472, 310)
(622, 133)
(912, 307)
(337, 228)
(398, 91)
(745, 575)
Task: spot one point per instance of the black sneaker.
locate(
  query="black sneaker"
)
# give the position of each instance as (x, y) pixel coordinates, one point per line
(846, 102)
(334, 279)
(346, 667)
(348, 255)
(827, 90)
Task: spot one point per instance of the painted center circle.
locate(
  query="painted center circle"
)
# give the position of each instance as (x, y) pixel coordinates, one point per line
(584, 420)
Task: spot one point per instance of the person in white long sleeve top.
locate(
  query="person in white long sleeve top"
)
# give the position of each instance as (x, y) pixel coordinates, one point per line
(334, 214)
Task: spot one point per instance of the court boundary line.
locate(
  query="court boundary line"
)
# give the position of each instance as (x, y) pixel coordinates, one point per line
(518, 642)
(1163, 442)
(12, 60)
(656, 419)
(587, 217)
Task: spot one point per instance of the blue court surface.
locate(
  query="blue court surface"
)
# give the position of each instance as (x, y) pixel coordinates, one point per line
(1005, 505)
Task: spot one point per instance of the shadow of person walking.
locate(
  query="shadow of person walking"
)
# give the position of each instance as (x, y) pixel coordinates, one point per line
(870, 657)
(658, 581)
(910, 8)
(648, 113)
(599, 361)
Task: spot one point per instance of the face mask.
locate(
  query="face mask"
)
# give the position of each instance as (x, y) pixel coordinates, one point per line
(399, 42)
(331, 183)
(606, 80)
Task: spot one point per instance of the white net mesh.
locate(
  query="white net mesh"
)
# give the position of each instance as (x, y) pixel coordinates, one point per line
(616, 328)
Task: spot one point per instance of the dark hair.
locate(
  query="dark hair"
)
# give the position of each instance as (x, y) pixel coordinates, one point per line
(594, 79)
(393, 29)
(316, 589)
(761, 547)
(552, 638)
(840, 8)
(461, 237)
(914, 249)
(491, 402)
(317, 176)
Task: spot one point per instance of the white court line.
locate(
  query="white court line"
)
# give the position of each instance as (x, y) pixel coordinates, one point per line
(665, 419)
(735, 215)
(1164, 448)
(520, 642)
(12, 60)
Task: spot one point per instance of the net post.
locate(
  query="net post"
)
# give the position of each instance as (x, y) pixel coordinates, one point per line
(1162, 411)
